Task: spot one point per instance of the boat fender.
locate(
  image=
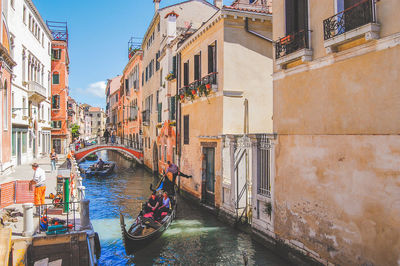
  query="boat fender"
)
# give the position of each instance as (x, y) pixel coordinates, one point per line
(97, 245)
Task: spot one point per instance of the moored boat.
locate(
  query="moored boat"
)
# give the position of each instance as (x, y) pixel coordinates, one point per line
(145, 229)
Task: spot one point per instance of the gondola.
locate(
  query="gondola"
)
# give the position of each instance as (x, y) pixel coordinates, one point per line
(107, 169)
(145, 230)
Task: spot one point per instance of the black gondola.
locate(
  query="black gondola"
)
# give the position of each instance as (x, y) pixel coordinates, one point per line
(145, 230)
(107, 169)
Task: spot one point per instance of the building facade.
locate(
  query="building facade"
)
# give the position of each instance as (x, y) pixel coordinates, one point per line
(225, 110)
(31, 88)
(113, 98)
(130, 92)
(97, 121)
(191, 15)
(6, 71)
(336, 184)
(60, 134)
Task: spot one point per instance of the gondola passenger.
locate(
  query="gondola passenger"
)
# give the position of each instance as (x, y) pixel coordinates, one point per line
(152, 203)
(164, 208)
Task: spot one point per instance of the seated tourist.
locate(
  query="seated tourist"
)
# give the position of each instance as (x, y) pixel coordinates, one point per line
(152, 203)
(164, 208)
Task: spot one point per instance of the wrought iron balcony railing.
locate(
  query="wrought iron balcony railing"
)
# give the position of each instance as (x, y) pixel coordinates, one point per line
(34, 87)
(292, 43)
(353, 17)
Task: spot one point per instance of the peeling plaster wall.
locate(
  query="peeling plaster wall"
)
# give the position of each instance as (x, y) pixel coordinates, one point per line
(339, 196)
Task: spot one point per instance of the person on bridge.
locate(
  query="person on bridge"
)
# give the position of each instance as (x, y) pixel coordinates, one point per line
(69, 159)
(39, 181)
(174, 170)
(100, 164)
(106, 135)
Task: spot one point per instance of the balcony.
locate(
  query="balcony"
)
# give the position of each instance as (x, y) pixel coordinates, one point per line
(356, 22)
(203, 87)
(292, 48)
(36, 91)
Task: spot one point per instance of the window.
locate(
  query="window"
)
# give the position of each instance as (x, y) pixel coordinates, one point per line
(174, 155)
(5, 106)
(158, 27)
(165, 153)
(174, 65)
(126, 86)
(197, 67)
(212, 58)
(56, 78)
(159, 153)
(161, 78)
(24, 136)
(186, 74)
(98, 123)
(264, 169)
(158, 63)
(55, 104)
(24, 15)
(172, 103)
(56, 124)
(12, 100)
(143, 78)
(159, 112)
(56, 54)
(13, 143)
(186, 129)
(98, 115)
(12, 4)
(147, 73)
(296, 16)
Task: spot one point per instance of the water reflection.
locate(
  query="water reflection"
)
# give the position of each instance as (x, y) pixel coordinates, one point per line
(194, 238)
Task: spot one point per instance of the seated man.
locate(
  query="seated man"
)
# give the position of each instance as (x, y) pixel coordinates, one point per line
(100, 164)
(152, 203)
(164, 207)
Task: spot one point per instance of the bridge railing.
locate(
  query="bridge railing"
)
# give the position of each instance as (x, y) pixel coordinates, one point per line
(129, 143)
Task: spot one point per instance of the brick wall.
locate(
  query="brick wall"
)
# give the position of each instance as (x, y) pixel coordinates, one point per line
(15, 192)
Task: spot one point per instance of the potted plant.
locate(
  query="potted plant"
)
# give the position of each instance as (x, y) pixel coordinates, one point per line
(170, 76)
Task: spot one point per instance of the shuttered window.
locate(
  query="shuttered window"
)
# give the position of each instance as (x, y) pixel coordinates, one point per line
(186, 74)
(174, 65)
(186, 129)
(212, 58)
(197, 67)
(172, 108)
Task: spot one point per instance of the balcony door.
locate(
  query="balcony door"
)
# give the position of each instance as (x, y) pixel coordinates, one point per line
(296, 16)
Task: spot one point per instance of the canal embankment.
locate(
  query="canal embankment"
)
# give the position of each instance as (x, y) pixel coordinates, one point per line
(34, 238)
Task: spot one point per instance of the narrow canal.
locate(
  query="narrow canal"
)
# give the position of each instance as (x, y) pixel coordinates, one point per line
(194, 238)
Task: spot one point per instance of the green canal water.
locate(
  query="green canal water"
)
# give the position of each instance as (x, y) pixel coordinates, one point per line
(194, 238)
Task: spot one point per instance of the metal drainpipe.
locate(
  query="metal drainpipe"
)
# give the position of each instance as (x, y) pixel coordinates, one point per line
(178, 119)
(246, 27)
(246, 116)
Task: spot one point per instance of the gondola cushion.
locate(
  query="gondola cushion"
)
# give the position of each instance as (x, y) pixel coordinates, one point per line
(148, 215)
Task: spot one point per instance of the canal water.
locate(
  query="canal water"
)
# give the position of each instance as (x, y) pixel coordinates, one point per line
(194, 238)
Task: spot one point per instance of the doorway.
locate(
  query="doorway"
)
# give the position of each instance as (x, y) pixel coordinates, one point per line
(57, 145)
(208, 176)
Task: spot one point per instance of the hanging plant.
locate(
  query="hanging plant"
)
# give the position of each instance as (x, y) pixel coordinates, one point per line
(170, 76)
(208, 86)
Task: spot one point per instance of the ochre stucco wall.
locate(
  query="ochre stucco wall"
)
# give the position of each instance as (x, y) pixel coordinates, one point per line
(339, 99)
(344, 201)
(203, 122)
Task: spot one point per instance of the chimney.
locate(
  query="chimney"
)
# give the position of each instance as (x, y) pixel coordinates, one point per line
(156, 5)
(218, 3)
(171, 25)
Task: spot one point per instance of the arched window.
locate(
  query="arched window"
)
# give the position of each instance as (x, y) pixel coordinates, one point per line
(5, 106)
(56, 78)
(251, 1)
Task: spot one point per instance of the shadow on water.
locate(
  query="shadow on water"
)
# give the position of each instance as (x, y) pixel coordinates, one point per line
(194, 238)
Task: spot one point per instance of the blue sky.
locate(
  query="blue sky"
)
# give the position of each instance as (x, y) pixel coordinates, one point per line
(99, 34)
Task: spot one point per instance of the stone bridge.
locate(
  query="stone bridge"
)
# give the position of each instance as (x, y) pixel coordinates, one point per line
(128, 151)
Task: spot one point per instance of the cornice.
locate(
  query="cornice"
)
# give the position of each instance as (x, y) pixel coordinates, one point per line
(41, 21)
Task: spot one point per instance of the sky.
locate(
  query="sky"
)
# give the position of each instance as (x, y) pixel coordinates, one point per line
(99, 31)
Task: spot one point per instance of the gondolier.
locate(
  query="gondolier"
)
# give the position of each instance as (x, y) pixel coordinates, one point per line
(174, 170)
(39, 181)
